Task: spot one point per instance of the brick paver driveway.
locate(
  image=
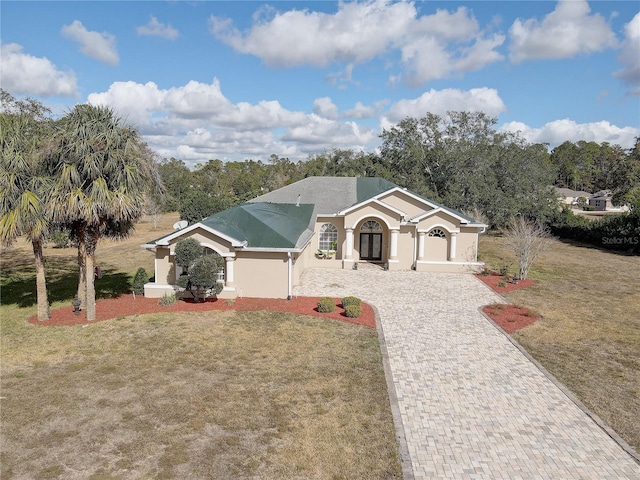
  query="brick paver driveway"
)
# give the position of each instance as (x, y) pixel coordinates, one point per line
(470, 403)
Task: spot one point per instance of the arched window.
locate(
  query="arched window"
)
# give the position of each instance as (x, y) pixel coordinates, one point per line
(438, 233)
(328, 238)
(371, 226)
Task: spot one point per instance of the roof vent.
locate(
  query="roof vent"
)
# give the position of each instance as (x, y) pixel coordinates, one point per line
(298, 201)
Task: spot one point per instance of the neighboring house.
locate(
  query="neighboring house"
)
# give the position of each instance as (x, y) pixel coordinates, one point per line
(601, 201)
(332, 222)
(571, 197)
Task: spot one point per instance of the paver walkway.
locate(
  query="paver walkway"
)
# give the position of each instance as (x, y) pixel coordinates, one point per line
(472, 406)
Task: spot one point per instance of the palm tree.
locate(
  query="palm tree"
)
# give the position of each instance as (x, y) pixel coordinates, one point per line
(103, 171)
(24, 184)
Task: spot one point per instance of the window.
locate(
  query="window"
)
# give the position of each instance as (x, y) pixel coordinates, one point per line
(437, 232)
(328, 238)
(371, 226)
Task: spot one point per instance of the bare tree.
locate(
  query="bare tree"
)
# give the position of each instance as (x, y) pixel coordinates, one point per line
(527, 239)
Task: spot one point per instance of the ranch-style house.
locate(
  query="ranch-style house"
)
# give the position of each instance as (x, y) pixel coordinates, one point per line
(330, 222)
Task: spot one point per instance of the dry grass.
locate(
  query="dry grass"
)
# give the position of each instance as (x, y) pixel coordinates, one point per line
(589, 337)
(217, 395)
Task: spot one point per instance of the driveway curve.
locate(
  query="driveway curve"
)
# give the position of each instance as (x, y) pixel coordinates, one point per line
(470, 403)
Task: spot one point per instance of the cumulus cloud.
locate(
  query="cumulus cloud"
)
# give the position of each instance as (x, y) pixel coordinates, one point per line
(630, 56)
(564, 33)
(440, 102)
(24, 73)
(156, 29)
(559, 131)
(101, 46)
(196, 122)
(429, 46)
(325, 108)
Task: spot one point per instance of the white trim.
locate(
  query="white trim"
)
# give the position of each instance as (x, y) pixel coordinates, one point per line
(377, 202)
(370, 216)
(158, 286)
(211, 247)
(417, 218)
(422, 200)
(275, 250)
(439, 225)
(164, 241)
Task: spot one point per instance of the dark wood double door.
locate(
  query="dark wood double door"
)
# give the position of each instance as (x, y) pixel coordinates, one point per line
(371, 246)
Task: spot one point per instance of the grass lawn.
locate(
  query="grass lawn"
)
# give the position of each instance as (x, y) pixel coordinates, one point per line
(589, 337)
(213, 395)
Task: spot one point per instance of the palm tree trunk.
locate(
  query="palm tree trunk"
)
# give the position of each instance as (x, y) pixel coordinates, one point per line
(41, 282)
(91, 246)
(82, 272)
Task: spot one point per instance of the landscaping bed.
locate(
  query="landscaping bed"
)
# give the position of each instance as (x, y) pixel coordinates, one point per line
(126, 305)
(498, 283)
(511, 318)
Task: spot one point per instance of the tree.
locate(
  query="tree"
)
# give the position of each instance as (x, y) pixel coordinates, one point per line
(625, 179)
(201, 270)
(177, 178)
(24, 183)
(103, 171)
(527, 240)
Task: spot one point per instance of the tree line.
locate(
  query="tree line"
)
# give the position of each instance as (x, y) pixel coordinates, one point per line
(460, 160)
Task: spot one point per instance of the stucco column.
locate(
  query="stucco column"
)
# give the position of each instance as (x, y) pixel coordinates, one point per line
(349, 250)
(452, 246)
(421, 236)
(228, 272)
(395, 232)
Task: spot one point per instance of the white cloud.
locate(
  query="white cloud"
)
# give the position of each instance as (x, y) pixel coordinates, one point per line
(156, 29)
(440, 102)
(630, 56)
(431, 46)
(101, 46)
(24, 73)
(564, 33)
(196, 122)
(559, 131)
(324, 107)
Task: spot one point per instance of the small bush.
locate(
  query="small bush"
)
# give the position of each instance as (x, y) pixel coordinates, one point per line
(326, 305)
(353, 311)
(168, 299)
(60, 239)
(139, 280)
(346, 301)
(502, 283)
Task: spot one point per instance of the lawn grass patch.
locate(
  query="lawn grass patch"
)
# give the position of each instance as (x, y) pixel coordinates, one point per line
(589, 337)
(171, 395)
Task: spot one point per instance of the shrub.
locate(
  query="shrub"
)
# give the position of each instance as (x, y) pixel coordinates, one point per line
(60, 239)
(326, 305)
(346, 301)
(168, 299)
(139, 280)
(353, 311)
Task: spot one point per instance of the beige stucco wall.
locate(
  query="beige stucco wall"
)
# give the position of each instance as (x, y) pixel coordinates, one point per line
(406, 247)
(406, 203)
(261, 274)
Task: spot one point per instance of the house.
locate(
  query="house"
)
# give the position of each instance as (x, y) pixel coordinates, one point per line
(601, 200)
(571, 197)
(332, 222)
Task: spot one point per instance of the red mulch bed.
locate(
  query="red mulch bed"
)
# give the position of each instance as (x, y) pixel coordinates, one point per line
(493, 279)
(509, 317)
(126, 305)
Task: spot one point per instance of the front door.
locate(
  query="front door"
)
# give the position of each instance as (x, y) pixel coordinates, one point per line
(371, 246)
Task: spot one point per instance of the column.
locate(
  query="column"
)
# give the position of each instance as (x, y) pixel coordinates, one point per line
(421, 236)
(349, 250)
(395, 232)
(228, 277)
(452, 246)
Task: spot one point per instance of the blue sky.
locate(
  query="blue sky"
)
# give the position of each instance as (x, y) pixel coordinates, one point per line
(237, 80)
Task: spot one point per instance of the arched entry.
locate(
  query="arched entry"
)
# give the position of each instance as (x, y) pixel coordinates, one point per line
(371, 241)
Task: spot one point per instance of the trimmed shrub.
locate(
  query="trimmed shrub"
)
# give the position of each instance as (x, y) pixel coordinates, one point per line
(168, 299)
(346, 301)
(139, 280)
(326, 305)
(353, 311)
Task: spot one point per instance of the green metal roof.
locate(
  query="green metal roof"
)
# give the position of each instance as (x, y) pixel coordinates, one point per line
(263, 225)
(369, 187)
